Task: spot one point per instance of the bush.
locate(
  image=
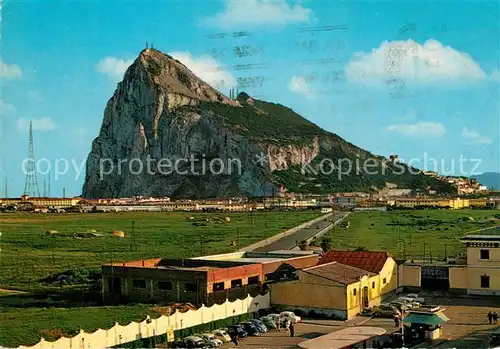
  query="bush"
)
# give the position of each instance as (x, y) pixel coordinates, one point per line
(151, 342)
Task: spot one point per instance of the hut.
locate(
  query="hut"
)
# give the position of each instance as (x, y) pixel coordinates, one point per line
(118, 233)
(51, 232)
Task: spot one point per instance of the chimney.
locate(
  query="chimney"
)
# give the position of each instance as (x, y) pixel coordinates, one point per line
(143, 262)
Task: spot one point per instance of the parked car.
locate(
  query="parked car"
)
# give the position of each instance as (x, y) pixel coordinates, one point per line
(222, 335)
(401, 306)
(209, 338)
(386, 310)
(410, 303)
(177, 345)
(259, 324)
(196, 342)
(416, 297)
(250, 328)
(270, 323)
(237, 330)
(289, 315)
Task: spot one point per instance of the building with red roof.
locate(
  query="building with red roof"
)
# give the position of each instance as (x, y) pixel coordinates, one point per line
(377, 262)
(333, 288)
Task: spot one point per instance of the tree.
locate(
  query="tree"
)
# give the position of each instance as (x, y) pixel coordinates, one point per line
(326, 244)
(361, 249)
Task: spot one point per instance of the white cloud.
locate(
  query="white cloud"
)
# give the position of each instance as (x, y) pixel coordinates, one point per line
(299, 85)
(239, 13)
(42, 124)
(114, 67)
(472, 137)
(206, 68)
(12, 71)
(6, 108)
(431, 62)
(420, 129)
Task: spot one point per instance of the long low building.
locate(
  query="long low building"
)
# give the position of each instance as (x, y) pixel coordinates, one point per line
(204, 280)
(40, 201)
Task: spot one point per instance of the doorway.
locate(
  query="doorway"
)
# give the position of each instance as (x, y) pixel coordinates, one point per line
(114, 286)
(366, 302)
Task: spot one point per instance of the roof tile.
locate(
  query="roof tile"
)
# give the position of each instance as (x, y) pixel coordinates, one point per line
(366, 260)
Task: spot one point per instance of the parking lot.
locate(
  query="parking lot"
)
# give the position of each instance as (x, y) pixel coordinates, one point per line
(467, 316)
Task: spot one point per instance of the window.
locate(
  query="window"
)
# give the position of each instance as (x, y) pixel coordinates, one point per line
(236, 283)
(218, 286)
(354, 292)
(139, 284)
(485, 281)
(485, 254)
(165, 285)
(253, 280)
(384, 281)
(373, 284)
(268, 276)
(190, 288)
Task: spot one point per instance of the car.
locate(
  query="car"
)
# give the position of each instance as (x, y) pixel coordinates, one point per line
(250, 328)
(289, 315)
(401, 306)
(410, 303)
(209, 338)
(386, 311)
(259, 324)
(196, 342)
(222, 336)
(271, 324)
(236, 330)
(177, 345)
(416, 297)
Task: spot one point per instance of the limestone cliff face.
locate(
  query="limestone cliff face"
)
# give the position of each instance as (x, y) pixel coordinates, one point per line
(150, 145)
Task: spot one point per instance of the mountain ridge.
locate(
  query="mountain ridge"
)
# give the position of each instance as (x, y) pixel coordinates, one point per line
(162, 110)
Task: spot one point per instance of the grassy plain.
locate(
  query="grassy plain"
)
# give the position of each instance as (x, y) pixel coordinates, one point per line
(411, 233)
(29, 254)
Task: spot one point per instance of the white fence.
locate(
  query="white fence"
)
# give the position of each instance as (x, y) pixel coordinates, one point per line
(119, 334)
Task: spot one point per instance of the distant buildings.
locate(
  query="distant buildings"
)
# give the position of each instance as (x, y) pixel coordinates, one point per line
(40, 202)
(456, 203)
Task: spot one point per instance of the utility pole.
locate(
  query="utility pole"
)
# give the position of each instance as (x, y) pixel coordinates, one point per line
(201, 244)
(6, 193)
(237, 238)
(424, 252)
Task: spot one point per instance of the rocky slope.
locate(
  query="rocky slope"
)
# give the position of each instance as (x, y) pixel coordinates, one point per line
(166, 132)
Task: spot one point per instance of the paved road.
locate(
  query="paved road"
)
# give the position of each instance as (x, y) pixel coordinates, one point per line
(288, 242)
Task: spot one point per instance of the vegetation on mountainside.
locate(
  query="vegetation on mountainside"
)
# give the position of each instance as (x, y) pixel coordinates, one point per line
(274, 123)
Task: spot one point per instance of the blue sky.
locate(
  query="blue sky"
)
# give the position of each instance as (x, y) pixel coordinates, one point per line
(420, 79)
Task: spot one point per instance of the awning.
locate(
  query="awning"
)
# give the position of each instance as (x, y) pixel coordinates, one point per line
(425, 319)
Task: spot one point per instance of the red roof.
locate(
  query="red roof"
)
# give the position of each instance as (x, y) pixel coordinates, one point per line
(369, 261)
(341, 273)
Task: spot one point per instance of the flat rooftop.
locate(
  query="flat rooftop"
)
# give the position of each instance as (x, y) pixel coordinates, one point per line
(256, 257)
(482, 237)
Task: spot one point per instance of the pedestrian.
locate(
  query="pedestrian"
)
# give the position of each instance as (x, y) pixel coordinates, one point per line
(292, 330)
(396, 320)
(235, 340)
(490, 317)
(495, 318)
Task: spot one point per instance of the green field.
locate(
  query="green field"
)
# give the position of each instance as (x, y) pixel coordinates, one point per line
(26, 326)
(29, 254)
(411, 232)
